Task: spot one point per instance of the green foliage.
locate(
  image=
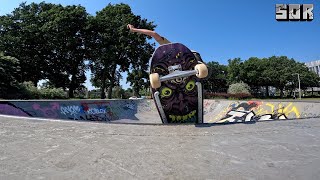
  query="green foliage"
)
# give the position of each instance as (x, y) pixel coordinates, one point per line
(252, 71)
(112, 48)
(94, 94)
(9, 72)
(217, 79)
(118, 93)
(128, 93)
(29, 91)
(277, 71)
(21, 37)
(52, 93)
(139, 79)
(81, 93)
(66, 30)
(237, 88)
(234, 70)
(48, 40)
(145, 92)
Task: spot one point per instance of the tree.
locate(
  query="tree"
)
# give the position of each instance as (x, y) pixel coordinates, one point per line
(234, 70)
(66, 31)
(138, 80)
(254, 72)
(9, 71)
(21, 37)
(277, 71)
(48, 40)
(217, 80)
(118, 92)
(307, 78)
(111, 48)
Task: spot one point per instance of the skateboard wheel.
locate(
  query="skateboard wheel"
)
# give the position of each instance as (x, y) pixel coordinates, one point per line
(202, 70)
(154, 80)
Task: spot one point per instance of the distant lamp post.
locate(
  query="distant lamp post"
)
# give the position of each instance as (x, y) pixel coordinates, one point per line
(299, 83)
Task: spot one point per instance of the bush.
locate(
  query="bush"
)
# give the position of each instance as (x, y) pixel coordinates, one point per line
(52, 93)
(29, 91)
(81, 93)
(239, 88)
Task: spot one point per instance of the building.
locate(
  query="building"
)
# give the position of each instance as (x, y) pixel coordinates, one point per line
(314, 66)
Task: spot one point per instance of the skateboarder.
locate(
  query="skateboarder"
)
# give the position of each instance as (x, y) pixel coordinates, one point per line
(160, 39)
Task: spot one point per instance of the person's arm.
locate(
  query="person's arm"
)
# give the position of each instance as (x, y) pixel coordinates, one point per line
(147, 32)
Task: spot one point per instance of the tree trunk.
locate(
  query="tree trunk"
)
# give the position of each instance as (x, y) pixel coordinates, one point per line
(103, 86)
(109, 93)
(112, 80)
(136, 92)
(71, 88)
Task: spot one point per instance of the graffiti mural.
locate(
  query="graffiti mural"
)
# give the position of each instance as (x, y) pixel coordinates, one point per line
(100, 110)
(252, 111)
(242, 112)
(144, 111)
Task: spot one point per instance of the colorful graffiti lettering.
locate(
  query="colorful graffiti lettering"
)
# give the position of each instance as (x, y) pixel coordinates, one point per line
(280, 110)
(256, 111)
(72, 110)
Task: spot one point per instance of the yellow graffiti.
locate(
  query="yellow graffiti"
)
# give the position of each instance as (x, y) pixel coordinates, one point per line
(281, 110)
(286, 110)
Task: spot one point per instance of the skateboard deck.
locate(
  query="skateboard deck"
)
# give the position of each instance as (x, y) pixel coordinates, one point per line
(179, 96)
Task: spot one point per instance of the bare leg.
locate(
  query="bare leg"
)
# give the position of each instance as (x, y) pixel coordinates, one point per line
(147, 32)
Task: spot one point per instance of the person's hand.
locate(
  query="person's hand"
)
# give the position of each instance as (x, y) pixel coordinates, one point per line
(130, 27)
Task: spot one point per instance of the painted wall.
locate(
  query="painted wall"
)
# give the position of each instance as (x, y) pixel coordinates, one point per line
(144, 111)
(216, 111)
(91, 110)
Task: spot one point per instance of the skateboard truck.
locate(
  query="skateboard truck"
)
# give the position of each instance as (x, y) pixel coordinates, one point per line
(200, 70)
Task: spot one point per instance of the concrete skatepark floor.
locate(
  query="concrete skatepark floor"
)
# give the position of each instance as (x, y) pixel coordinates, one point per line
(34, 149)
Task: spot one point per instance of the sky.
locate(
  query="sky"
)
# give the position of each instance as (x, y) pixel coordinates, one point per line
(219, 29)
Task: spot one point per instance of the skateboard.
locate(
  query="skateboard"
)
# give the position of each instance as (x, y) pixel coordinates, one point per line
(175, 78)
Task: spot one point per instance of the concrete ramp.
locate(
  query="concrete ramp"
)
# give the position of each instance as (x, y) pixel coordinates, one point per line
(144, 111)
(125, 111)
